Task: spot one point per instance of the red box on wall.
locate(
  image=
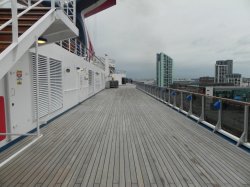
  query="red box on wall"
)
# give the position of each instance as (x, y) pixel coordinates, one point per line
(2, 118)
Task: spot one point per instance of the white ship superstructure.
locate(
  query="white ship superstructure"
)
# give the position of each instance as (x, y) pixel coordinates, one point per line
(134, 136)
(41, 81)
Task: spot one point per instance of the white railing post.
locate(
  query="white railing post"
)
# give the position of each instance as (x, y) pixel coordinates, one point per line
(174, 104)
(246, 117)
(245, 134)
(202, 109)
(218, 125)
(190, 111)
(14, 21)
(74, 11)
(76, 46)
(61, 4)
(29, 3)
(69, 45)
(181, 105)
(52, 4)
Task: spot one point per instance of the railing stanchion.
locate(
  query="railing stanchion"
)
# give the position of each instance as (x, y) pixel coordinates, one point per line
(69, 45)
(244, 135)
(14, 21)
(190, 111)
(74, 11)
(52, 4)
(218, 125)
(181, 105)
(202, 109)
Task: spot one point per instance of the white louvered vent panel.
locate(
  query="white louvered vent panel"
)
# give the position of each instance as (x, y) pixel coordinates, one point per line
(56, 96)
(90, 78)
(43, 86)
(97, 81)
(91, 81)
(34, 86)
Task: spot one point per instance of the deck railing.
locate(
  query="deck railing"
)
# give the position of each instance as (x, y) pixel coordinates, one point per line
(74, 45)
(226, 116)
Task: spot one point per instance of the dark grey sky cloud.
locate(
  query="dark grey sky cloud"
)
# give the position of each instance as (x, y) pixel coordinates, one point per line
(195, 33)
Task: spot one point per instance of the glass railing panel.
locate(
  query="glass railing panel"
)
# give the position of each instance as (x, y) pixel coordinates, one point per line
(161, 93)
(178, 99)
(232, 117)
(166, 96)
(196, 105)
(210, 113)
(153, 90)
(158, 92)
(186, 103)
(171, 98)
(248, 137)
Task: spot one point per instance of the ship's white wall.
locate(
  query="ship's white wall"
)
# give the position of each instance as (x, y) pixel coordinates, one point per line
(73, 92)
(20, 97)
(118, 77)
(75, 87)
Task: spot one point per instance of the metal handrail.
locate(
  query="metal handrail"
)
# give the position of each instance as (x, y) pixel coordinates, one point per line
(157, 93)
(74, 45)
(213, 97)
(70, 12)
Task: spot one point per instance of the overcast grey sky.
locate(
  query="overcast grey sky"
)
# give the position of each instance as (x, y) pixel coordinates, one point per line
(195, 33)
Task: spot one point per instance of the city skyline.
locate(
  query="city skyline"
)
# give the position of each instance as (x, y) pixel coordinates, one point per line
(195, 33)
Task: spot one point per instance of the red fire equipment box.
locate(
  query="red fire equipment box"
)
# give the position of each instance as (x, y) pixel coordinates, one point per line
(2, 118)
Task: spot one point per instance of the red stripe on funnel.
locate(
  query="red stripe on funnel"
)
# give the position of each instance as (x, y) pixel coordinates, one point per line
(100, 8)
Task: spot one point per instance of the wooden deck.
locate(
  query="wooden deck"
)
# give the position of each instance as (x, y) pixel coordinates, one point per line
(123, 137)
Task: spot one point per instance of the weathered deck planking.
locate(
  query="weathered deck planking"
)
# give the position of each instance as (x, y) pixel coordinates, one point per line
(124, 138)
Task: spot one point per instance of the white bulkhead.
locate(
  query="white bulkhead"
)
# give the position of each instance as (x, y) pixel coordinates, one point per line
(64, 79)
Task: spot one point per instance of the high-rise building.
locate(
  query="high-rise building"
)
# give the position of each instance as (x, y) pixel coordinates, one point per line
(222, 69)
(164, 70)
(234, 78)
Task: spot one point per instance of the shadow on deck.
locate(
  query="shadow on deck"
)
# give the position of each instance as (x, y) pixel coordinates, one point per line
(122, 137)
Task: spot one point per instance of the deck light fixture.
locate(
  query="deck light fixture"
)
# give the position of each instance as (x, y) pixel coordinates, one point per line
(41, 40)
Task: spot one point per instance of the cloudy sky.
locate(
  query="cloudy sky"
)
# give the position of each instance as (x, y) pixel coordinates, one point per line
(195, 33)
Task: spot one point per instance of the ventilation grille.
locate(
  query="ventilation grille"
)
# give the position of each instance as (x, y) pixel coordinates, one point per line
(50, 85)
(97, 81)
(55, 84)
(91, 82)
(90, 77)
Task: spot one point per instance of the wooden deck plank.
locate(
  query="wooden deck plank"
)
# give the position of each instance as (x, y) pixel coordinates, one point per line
(214, 160)
(123, 137)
